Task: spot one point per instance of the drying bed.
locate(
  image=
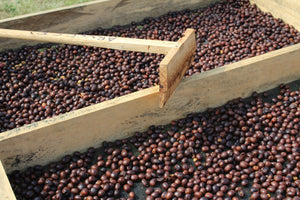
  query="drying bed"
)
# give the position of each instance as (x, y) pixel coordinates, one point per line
(48, 143)
(44, 81)
(116, 119)
(245, 149)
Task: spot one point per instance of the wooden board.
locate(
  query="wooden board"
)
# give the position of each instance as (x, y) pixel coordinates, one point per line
(292, 4)
(6, 192)
(91, 15)
(287, 10)
(175, 64)
(48, 140)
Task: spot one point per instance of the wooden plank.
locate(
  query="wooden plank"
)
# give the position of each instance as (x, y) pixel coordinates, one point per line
(6, 192)
(50, 139)
(292, 4)
(173, 67)
(121, 43)
(281, 9)
(91, 15)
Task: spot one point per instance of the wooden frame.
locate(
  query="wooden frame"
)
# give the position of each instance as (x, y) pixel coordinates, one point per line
(50, 139)
(179, 55)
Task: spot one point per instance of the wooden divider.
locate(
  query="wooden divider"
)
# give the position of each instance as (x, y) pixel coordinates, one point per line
(6, 192)
(50, 139)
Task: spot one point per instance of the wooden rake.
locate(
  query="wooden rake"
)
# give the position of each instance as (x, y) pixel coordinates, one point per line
(178, 55)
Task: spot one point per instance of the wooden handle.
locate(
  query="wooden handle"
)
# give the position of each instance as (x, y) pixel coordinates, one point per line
(121, 43)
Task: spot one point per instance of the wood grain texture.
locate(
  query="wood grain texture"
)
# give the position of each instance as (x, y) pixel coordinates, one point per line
(111, 42)
(292, 4)
(91, 15)
(282, 9)
(174, 65)
(6, 192)
(50, 139)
